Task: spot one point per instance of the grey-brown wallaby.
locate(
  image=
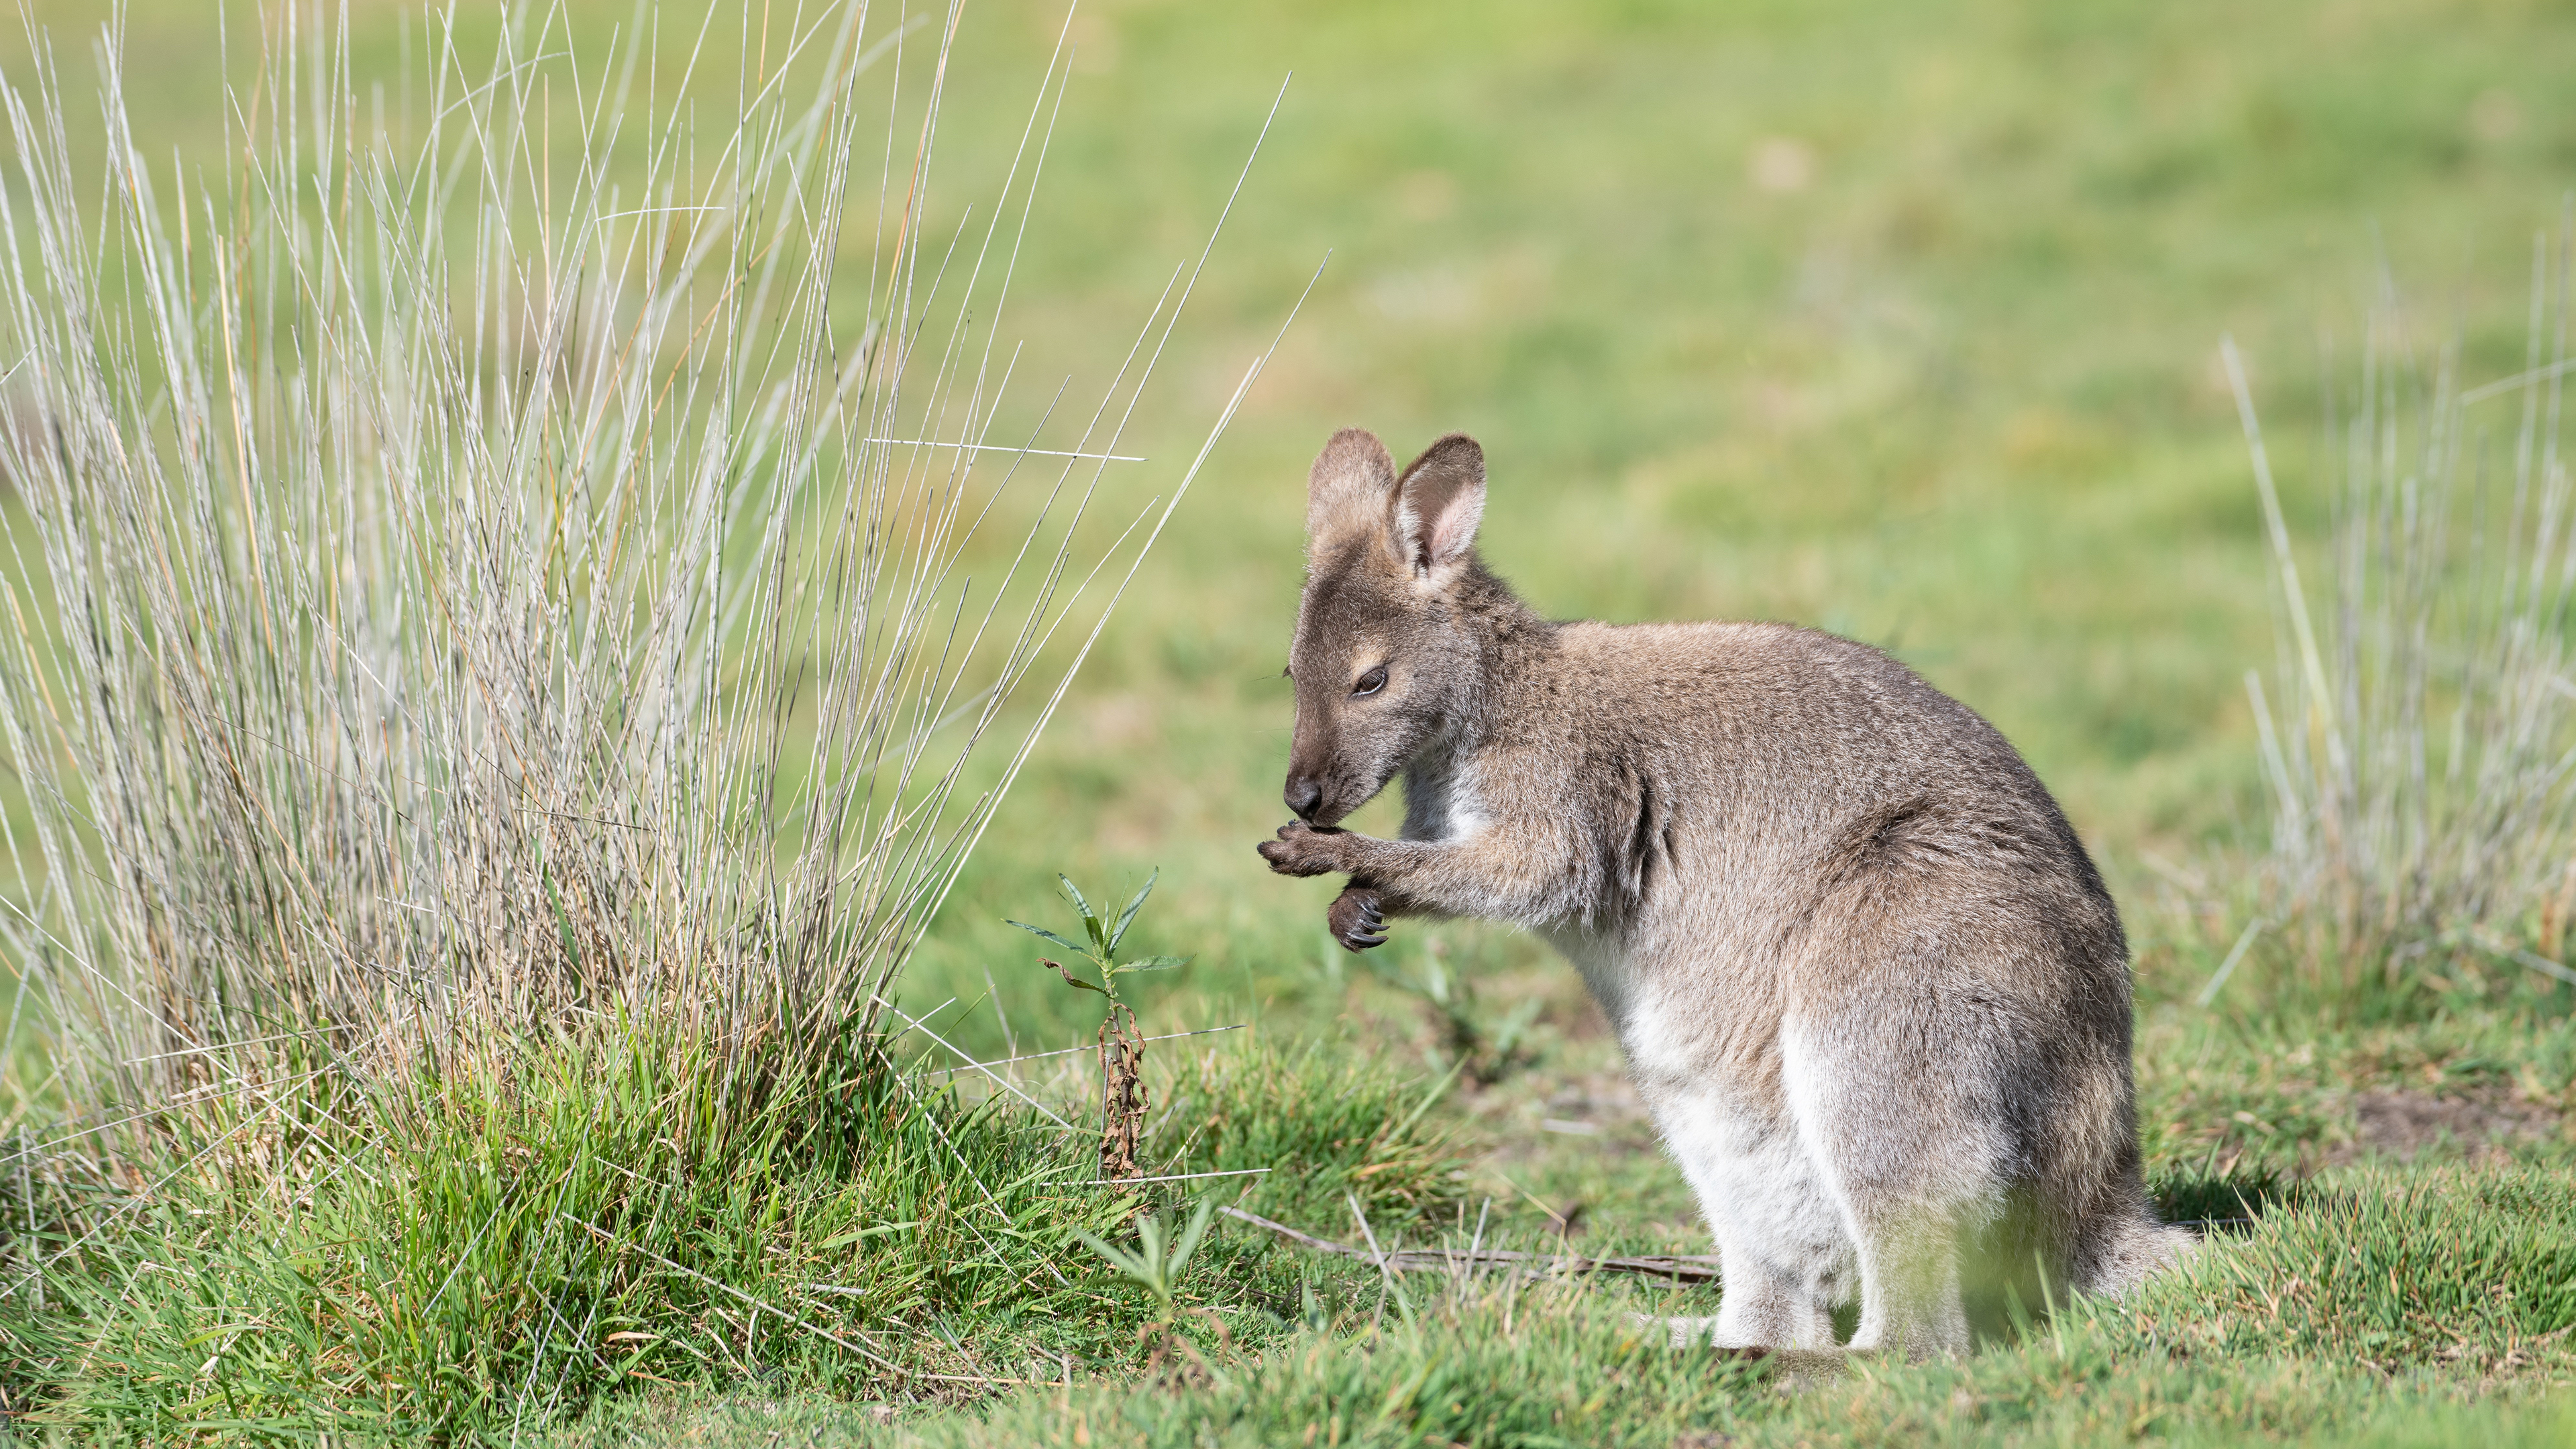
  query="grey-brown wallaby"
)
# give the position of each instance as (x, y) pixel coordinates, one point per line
(1868, 981)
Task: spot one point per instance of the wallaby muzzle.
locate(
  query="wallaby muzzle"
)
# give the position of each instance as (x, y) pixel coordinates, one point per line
(1303, 796)
(1315, 791)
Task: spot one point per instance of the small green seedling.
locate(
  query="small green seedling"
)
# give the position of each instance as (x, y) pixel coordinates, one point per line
(1122, 1046)
(1102, 952)
(1157, 1261)
(1313, 1314)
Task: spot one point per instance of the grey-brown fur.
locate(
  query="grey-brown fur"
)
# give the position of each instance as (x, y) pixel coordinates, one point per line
(1867, 979)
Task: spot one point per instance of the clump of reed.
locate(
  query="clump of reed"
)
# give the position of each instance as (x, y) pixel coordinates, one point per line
(2418, 731)
(517, 592)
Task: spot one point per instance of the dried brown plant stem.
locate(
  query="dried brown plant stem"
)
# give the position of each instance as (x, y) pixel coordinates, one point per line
(1122, 1092)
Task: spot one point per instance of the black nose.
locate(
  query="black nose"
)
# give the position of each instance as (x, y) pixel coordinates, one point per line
(1303, 795)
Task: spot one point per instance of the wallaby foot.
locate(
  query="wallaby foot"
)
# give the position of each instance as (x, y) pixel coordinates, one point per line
(1690, 1332)
(1789, 1367)
(1356, 918)
(1686, 1332)
(1763, 1308)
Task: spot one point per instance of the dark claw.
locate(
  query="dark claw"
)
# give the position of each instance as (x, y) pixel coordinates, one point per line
(1356, 919)
(1372, 930)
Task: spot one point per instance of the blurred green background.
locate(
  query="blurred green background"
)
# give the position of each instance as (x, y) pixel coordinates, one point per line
(1896, 319)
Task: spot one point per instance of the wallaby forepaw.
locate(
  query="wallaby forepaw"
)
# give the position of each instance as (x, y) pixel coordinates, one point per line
(1304, 849)
(1357, 920)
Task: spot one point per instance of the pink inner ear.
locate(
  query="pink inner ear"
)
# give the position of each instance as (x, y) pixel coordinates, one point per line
(1455, 528)
(1445, 539)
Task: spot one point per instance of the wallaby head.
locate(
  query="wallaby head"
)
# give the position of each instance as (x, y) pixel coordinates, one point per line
(1384, 655)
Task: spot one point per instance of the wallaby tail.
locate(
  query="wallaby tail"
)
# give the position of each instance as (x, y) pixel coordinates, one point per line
(2121, 1249)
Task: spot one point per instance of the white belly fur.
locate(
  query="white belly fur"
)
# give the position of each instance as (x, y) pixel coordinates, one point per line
(1768, 1201)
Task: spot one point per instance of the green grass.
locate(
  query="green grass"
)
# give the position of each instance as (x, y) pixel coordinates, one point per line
(1955, 394)
(601, 1217)
(2286, 1333)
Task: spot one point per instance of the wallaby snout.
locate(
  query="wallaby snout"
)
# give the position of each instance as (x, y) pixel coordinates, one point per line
(1324, 782)
(1321, 782)
(1303, 796)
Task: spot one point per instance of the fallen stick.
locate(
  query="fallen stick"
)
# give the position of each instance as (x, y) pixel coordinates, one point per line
(1679, 1270)
(1788, 1366)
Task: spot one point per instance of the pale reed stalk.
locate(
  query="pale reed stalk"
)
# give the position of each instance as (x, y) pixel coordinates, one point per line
(2419, 735)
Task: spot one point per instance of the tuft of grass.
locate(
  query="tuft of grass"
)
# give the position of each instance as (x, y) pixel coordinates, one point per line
(2444, 1266)
(1330, 1125)
(590, 1218)
(508, 648)
(2419, 732)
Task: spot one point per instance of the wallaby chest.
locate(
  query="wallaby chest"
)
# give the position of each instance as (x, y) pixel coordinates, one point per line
(1442, 800)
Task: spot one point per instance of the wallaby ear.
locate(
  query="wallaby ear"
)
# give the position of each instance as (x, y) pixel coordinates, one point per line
(1347, 489)
(1439, 503)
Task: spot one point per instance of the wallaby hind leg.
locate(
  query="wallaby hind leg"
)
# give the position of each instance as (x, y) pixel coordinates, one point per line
(1780, 1243)
(1908, 1156)
(1910, 1299)
(1765, 1308)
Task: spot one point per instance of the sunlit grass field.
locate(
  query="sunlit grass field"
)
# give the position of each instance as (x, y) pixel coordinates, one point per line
(1899, 320)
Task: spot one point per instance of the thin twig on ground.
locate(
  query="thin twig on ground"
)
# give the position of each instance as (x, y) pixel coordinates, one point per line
(1679, 1270)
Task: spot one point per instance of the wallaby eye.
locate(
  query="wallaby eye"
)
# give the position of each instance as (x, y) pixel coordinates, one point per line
(1371, 682)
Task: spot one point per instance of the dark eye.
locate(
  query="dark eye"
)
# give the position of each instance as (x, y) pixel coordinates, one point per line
(1371, 682)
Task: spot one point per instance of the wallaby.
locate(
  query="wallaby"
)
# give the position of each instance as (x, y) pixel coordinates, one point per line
(1868, 981)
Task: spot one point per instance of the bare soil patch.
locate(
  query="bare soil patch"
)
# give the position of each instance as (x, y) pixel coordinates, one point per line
(2403, 1125)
